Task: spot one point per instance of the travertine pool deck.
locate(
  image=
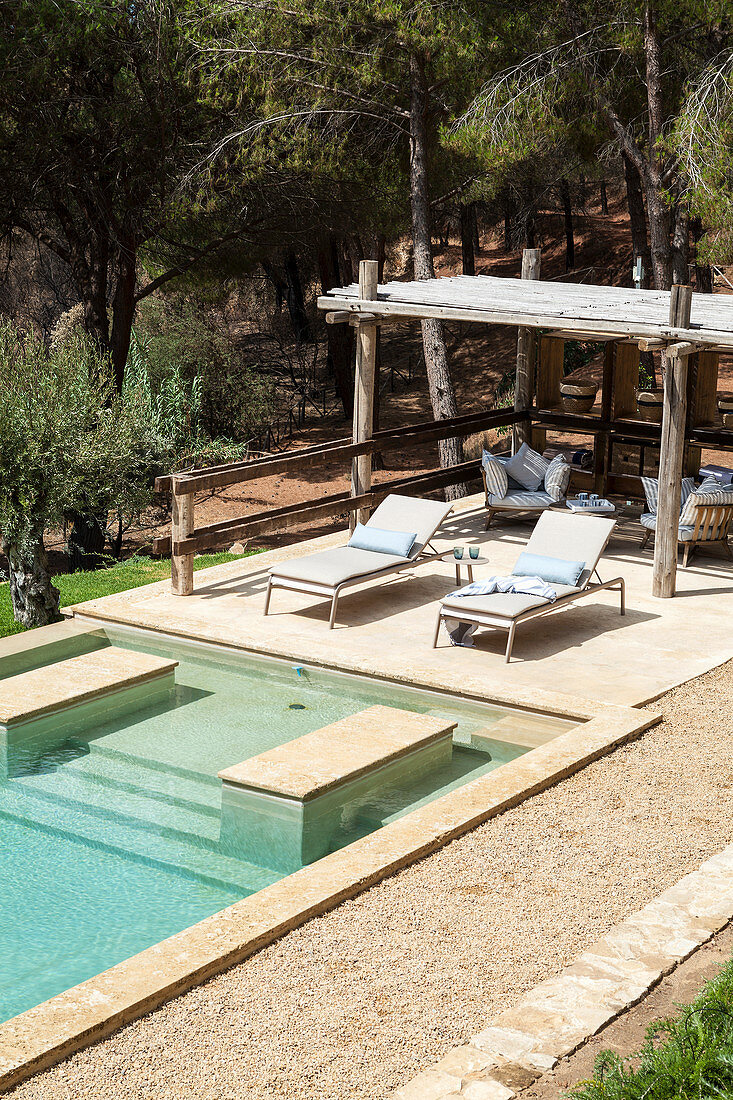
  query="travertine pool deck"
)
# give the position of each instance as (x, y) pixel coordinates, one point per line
(587, 650)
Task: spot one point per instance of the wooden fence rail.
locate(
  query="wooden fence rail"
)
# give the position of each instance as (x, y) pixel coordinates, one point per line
(186, 539)
(340, 450)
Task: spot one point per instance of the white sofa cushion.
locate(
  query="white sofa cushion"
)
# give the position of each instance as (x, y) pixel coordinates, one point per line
(497, 481)
(527, 467)
(557, 477)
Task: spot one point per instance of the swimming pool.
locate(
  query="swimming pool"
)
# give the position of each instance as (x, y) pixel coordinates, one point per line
(110, 833)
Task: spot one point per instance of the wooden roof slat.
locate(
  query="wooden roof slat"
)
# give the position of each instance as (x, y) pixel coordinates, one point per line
(606, 311)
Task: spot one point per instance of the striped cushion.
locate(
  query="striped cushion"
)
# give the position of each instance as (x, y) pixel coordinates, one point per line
(528, 468)
(651, 491)
(684, 533)
(523, 499)
(557, 477)
(710, 492)
(497, 481)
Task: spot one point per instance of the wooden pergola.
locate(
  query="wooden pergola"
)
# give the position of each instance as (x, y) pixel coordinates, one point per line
(688, 329)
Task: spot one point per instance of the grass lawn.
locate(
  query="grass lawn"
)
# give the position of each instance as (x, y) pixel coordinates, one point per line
(78, 587)
(689, 1057)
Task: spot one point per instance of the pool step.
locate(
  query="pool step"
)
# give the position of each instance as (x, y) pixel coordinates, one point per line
(171, 854)
(202, 793)
(129, 808)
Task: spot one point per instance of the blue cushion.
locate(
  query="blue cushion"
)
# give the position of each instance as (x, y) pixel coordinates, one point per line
(556, 570)
(398, 543)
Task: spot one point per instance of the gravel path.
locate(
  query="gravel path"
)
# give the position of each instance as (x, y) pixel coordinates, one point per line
(356, 1002)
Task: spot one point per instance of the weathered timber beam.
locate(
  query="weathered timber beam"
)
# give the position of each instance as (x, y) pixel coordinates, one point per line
(683, 348)
(511, 315)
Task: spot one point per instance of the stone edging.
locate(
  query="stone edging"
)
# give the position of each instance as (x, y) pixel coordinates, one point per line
(558, 1015)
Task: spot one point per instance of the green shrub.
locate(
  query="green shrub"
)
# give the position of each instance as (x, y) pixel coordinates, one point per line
(187, 354)
(688, 1057)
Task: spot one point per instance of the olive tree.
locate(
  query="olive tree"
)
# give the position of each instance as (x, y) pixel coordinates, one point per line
(68, 443)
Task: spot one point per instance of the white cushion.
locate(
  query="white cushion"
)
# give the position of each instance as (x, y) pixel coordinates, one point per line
(557, 477)
(527, 467)
(333, 567)
(497, 481)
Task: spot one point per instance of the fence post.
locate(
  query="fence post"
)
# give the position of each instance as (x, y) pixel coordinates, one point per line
(366, 357)
(182, 527)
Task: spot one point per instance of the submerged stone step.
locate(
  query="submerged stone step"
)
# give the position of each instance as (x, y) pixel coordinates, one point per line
(172, 855)
(289, 806)
(134, 810)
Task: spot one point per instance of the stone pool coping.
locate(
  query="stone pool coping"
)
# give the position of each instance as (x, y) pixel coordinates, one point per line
(333, 756)
(44, 691)
(552, 1020)
(97, 1007)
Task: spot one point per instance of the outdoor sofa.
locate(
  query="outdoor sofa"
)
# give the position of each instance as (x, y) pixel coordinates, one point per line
(397, 537)
(706, 514)
(523, 482)
(562, 538)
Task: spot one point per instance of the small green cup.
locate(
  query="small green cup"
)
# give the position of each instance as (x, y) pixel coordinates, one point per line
(458, 553)
(473, 552)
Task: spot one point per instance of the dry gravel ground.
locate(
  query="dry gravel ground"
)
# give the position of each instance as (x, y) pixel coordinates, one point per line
(355, 1002)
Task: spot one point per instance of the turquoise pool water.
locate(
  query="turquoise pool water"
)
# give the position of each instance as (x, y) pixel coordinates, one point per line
(110, 838)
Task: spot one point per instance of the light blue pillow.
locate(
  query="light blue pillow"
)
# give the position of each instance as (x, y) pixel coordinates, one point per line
(399, 543)
(552, 570)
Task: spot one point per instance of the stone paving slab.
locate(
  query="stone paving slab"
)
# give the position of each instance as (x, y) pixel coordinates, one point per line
(45, 690)
(330, 757)
(557, 1016)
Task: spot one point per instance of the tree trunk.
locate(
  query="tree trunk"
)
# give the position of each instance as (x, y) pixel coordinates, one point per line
(681, 245)
(340, 337)
(703, 272)
(637, 218)
(604, 199)
(123, 312)
(296, 300)
(442, 394)
(657, 208)
(34, 598)
(467, 254)
(474, 230)
(567, 207)
(87, 539)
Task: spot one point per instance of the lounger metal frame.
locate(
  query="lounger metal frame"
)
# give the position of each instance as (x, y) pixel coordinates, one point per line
(333, 592)
(504, 622)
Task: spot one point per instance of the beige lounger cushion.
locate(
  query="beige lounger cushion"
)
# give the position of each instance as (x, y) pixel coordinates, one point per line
(333, 567)
(507, 605)
(400, 513)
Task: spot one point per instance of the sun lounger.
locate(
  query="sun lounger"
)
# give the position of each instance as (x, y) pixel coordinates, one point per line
(329, 572)
(568, 537)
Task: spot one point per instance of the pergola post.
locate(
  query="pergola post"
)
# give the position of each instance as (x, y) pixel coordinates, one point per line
(531, 263)
(672, 452)
(366, 357)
